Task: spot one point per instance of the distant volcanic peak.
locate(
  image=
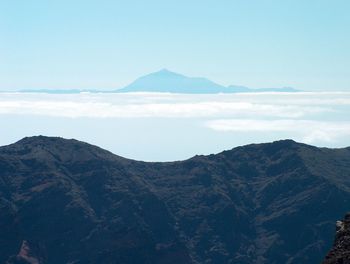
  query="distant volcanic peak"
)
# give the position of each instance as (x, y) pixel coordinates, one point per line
(166, 72)
(168, 81)
(171, 82)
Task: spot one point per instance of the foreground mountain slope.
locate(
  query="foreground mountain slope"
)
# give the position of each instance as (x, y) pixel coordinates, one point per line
(79, 203)
(70, 202)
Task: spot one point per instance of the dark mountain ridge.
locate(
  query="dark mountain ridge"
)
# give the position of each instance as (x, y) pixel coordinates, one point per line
(260, 203)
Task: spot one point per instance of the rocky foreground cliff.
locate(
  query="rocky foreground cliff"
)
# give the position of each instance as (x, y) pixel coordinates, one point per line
(340, 252)
(65, 201)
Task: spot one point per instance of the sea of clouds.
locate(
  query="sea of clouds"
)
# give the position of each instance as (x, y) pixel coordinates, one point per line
(319, 118)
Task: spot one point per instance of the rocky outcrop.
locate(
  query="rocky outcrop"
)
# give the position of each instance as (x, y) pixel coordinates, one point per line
(29, 253)
(340, 252)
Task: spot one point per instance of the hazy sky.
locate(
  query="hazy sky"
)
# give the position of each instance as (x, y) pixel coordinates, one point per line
(100, 44)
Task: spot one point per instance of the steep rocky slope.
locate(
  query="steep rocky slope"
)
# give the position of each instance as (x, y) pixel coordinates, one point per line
(71, 202)
(340, 252)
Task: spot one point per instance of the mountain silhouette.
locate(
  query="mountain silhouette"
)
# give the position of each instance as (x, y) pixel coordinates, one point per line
(65, 201)
(171, 82)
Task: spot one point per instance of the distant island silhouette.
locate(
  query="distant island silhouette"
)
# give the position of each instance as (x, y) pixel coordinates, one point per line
(165, 81)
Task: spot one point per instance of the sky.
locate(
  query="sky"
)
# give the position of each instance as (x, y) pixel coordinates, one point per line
(101, 44)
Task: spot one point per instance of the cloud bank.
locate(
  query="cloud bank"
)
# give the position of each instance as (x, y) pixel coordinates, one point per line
(308, 117)
(164, 106)
(308, 131)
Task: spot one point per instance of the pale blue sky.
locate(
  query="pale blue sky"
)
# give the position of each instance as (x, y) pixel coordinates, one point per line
(100, 44)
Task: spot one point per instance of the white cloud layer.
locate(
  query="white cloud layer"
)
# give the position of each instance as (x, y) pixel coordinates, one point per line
(308, 117)
(307, 131)
(166, 105)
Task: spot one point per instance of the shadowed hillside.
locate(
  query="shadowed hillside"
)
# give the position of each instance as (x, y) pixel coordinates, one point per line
(64, 201)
